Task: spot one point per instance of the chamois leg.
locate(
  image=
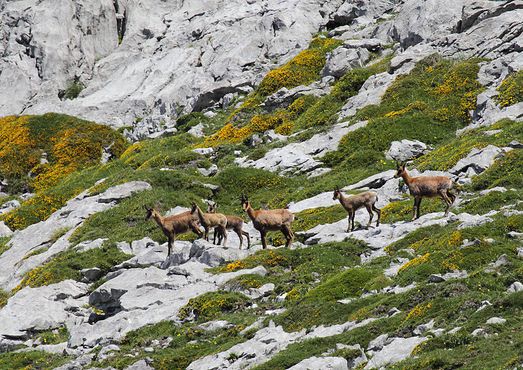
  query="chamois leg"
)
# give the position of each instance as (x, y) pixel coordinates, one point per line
(196, 229)
(349, 219)
(447, 201)
(286, 230)
(264, 242)
(239, 233)
(417, 202)
(371, 215)
(215, 234)
(378, 211)
(353, 214)
(248, 238)
(451, 195)
(170, 243)
(223, 234)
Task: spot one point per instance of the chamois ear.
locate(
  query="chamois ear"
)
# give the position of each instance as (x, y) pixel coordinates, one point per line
(147, 208)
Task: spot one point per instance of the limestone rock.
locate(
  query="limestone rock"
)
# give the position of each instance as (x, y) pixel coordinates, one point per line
(343, 59)
(316, 363)
(41, 308)
(496, 321)
(406, 150)
(398, 349)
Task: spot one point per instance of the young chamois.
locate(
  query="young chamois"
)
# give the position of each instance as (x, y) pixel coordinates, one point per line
(270, 220)
(174, 225)
(427, 186)
(211, 220)
(234, 223)
(352, 203)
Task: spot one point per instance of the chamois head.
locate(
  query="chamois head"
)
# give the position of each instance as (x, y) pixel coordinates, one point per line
(211, 207)
(245, 202)
(400, 169)
(150, 212)
(337, 193)
(194, 206)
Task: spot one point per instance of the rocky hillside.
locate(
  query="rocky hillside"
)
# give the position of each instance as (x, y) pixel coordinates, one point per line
(120, 105)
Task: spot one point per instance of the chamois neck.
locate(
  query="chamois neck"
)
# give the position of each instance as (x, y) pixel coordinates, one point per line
(251, 213)
(406, 177)
(199, 212)
(159, 219)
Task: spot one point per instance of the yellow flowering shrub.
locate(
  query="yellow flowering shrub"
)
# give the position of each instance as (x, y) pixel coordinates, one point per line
(258, 123)
(71, 144)
(417, 105)
(209, 305)
(415, 262)
(302, 69)
(511, 90)
(418, 311)
(234, 266)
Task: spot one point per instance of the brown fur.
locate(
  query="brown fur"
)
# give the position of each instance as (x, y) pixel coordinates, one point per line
(352, 203)
(427, 186)
(270, 220)
(211, 220)
(234, 223)
(174, 225)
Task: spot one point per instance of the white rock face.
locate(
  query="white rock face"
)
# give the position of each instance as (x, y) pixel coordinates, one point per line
(406, 150)
(426, 21)
(302, 157)
(41, 308)
(317, 363)
(64, 221)
(398, 349)
(172, 55)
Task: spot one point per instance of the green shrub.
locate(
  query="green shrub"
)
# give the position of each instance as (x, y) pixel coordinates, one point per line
(73, 90)
(511, 90)
(68, 264)
(209, 305)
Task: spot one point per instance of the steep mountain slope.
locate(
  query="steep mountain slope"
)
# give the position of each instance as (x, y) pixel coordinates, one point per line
(332, 94)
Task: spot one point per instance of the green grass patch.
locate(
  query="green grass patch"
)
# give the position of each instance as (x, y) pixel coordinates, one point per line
(31, 360)
(67, 265)
(4, 296)
(511, 90)
(504, 172)
(403, 210)
(4, 244)
(428, 104)
(306, 220)
(55, 336)
(448, 154)
(324, 111)
(210, 305)
(189, 343)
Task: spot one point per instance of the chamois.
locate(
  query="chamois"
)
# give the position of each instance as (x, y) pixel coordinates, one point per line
(234, 223)
(208, 220)
(352, 203)
(174, 225)
(270, 220)
(427, 186)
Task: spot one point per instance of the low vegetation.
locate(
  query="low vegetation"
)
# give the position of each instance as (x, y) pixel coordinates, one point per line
(511, 90)
(68, 264)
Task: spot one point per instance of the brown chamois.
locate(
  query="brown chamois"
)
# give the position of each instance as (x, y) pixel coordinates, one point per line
(352, 203)
(427, 186)
(211, 220)
(234, 223)
(270, 220)
(173, 225)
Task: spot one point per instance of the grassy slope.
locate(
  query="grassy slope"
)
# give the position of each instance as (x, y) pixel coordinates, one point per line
(428, 105)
